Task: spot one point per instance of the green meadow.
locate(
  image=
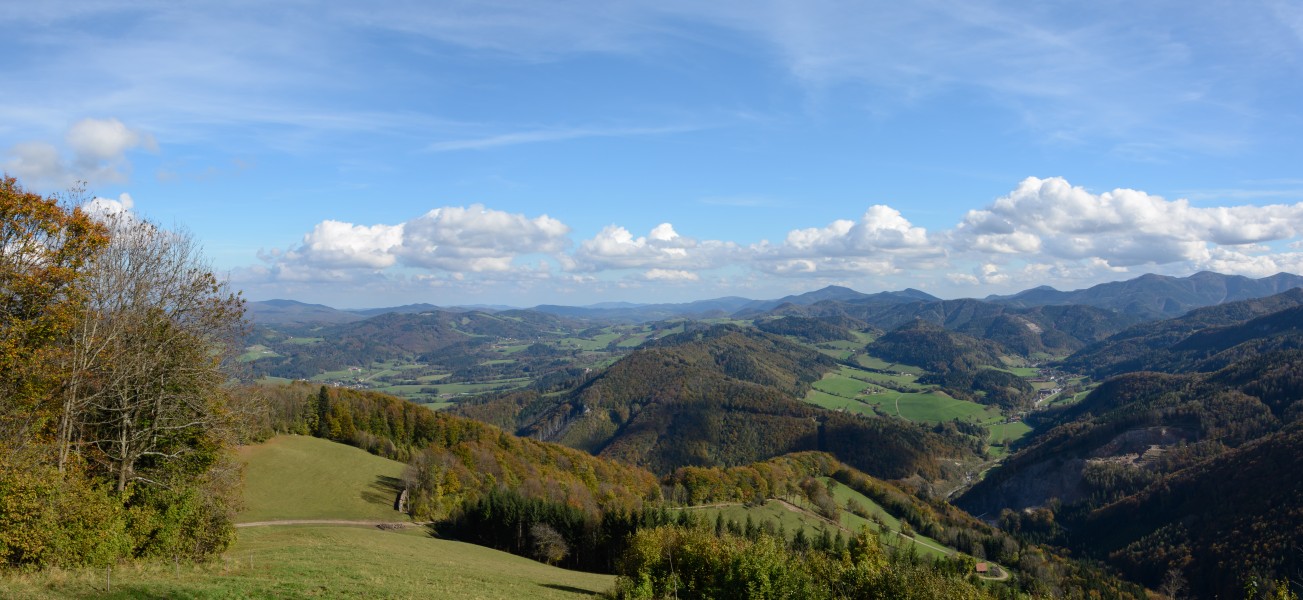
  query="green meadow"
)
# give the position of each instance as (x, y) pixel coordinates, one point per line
(300, 477)
(296, 477)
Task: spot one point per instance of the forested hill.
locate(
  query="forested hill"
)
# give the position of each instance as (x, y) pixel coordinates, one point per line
(1049, 330)
(1162, 472)
(1188, 342)
(1238, 513)
(931, 347)
(395, 335)
(721, 396)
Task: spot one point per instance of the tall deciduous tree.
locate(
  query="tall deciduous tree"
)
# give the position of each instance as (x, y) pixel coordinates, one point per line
(147, 392)
(43, 249)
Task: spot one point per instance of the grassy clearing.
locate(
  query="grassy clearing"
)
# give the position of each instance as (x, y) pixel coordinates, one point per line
(299, 477)
(873, 362)
(598, 342)
(852, 390)
(303, 341)
(935, 407)
(932, 407)
(1023, 371)
(472, 388)
(831, 402)
(842, 345)
(256, 352)
(1008, 432)
(841, 385)
(328, 562)
(633, 341)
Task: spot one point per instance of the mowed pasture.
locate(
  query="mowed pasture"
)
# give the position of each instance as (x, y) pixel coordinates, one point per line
(853, 390)
(934, 407)
(296, 478)
(873, 362)
(300, 477)
(1007, 433)
(326, 562)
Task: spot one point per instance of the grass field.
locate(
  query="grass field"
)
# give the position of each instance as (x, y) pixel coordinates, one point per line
(256, 352)
(327, 562)
(839, 392)
(831, 402)
(934, 407)
(1009, 432)
(1023, 371)
(296, 477)
(841, 385)
(299, 477)
(598, 342)
(873, 362)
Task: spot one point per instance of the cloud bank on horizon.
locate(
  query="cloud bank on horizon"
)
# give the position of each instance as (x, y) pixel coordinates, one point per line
(1043, 230)
(510, 151)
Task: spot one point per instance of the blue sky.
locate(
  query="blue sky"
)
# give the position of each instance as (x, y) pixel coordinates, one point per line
(368, 154)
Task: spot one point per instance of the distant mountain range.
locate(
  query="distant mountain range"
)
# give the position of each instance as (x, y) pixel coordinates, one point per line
(1147, 297)
(287, 312)
(1158, 296)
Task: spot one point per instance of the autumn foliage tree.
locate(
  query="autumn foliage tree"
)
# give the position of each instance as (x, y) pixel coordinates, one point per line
(113, 415)
(43, 249)
(156, 331)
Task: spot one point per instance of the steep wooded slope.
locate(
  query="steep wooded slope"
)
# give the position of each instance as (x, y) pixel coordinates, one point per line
(1180, 344)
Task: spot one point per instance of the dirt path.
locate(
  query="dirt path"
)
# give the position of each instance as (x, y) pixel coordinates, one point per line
(328, 522)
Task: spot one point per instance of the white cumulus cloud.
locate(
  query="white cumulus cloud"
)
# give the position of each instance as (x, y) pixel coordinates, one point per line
(1049, 219)
(335, 244)
(663, 248)
(452, 240)
(882, 242)
(477, 239)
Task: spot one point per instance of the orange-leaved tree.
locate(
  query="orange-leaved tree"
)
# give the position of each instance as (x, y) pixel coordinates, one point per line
(44, 247)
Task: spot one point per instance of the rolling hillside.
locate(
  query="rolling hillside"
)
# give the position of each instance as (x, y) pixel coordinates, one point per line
(721, 396)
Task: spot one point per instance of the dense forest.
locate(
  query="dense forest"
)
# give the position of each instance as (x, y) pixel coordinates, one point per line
(932, 347)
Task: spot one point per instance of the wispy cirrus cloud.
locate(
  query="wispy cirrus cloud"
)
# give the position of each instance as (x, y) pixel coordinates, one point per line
(553, 135)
